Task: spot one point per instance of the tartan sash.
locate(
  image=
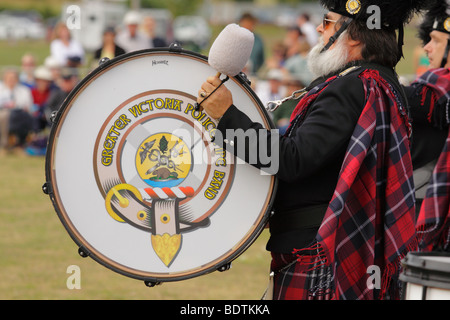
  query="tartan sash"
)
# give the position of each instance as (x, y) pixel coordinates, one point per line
(438, 82)
(433, 223)
(370, 219)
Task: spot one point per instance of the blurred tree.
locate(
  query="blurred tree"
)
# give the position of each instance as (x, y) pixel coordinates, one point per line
(176, 7)
(292, 2)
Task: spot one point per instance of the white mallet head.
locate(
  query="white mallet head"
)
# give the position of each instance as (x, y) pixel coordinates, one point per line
(231, 50)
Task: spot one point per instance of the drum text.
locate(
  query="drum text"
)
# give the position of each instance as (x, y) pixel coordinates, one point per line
(202, 118)
(215, 185)
(222, 157)
(111, 139)
(165, 62)
(152, 104)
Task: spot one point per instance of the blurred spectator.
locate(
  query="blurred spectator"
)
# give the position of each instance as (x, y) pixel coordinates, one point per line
(308, 29)
(55, 69)
(148, 28)
(282, 115)
(297, 64)
(65, 49)
(15, 104)
(74, 62)
(257, 57)
(69, 80)
(273, 89)
(297, 49)
(131, 39)
(28, 65)
(294, 40)
(109, 47)
(277, 58)
(41, 94)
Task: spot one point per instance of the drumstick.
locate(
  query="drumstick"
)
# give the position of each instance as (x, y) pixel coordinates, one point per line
(198, 105)
(230, 52)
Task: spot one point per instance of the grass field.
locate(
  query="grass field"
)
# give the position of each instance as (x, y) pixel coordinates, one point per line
(36, 252)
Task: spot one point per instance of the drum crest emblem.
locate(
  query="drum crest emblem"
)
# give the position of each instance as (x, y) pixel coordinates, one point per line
(159, 172)
(162, 165)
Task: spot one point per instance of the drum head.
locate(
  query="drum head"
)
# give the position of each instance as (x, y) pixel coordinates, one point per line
(137, 182)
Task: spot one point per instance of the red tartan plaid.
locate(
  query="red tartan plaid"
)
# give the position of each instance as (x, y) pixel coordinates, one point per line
(438, 82)
(370, 219)
(433, 223)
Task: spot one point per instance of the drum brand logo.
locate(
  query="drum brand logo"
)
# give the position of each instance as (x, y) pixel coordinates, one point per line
(158, 170)
(165, 62)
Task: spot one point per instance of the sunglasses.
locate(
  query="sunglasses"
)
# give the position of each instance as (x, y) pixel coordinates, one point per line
(326, 22)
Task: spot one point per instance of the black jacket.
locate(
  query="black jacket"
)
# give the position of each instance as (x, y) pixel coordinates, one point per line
(311, 159)
(428, 138)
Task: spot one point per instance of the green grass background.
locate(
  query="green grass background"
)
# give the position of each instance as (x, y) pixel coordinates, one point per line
(36, 252)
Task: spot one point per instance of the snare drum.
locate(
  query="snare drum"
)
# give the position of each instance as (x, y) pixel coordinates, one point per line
(135, 178)
(427, 276)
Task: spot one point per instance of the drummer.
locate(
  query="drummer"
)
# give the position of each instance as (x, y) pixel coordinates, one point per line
(429, 98)
(345, 201)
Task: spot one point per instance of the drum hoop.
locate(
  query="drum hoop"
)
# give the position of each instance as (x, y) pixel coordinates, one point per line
(83, 244)
(427, 273)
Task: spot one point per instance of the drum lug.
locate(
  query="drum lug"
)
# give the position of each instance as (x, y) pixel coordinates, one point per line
(103, 61)
(175, 47)
(152, 284)
(53, 116)
(245, 78)
(47, 188)
(225, 267)
(83, 252)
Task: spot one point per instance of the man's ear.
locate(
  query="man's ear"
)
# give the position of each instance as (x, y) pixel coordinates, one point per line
(353, 43)
(354, 48)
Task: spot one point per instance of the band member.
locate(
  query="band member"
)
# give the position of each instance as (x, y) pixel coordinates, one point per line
(429, 98)
(344, 208)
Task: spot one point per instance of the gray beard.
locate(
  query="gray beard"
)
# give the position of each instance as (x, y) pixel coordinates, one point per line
(330, 61)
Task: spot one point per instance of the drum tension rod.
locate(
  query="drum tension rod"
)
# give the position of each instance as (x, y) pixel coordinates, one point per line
(225, 267)
(47, 188)
(244, 78)
(53, 116)
(83, 252)
(103, 61)
(175, 47)
(152, 284)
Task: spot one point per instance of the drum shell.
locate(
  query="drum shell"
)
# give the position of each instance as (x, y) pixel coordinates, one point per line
(426, 276)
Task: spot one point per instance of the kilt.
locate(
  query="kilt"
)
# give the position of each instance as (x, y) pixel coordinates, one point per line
(296, 281)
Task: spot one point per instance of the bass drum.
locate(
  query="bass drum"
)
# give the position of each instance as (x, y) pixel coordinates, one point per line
(135, 178)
